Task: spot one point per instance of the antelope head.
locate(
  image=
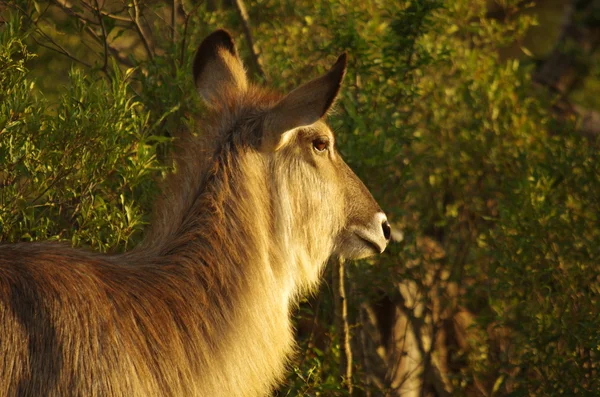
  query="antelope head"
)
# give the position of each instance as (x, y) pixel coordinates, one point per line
(319, 206)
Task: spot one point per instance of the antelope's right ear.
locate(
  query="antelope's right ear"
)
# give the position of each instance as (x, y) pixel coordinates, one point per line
(218, 70)
(303, 106)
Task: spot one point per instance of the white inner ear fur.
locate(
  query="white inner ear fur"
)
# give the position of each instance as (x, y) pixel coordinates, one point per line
(236, 67)
(222, 77)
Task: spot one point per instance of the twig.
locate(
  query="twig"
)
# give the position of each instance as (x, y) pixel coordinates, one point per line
(61, 51)
(341, 315)
(365, 357)
(104, 37)
(135, 18)
(241, 9)
(41, 14)
(57, 47)
(113, 51)
(185, 30)
(173, 58)
(116, 17)
(67, 8)
(311, 336)
(102, 41)
(173, 17)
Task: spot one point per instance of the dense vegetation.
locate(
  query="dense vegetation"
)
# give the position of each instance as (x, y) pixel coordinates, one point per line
(494, 288)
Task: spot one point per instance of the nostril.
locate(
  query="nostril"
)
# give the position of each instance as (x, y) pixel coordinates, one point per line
(387, 230)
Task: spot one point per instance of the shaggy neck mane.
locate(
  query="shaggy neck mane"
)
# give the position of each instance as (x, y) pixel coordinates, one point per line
(217, 206)
(214, 227)
(202, 202)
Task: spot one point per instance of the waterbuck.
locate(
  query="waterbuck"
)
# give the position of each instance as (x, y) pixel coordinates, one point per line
(255, 207)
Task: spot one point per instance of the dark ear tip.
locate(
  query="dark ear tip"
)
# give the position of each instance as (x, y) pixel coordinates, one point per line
(221, 38)
(342, 59)
(339, 67)
(208, 48)
(217, 39)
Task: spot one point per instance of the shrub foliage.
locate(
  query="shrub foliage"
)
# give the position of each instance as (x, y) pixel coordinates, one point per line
(496, 281)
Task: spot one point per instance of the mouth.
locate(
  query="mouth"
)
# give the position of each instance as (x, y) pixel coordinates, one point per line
(357, 245)
(373, 243)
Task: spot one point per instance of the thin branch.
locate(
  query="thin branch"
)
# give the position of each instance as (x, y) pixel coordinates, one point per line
(135, 18)
(185, 31)
(58, 48)
(243, 14)
(62, 51)
(173, 59)
(67, 8)
(41, 14)
(101, 40)
(116, 17)
(113, 51)
(104, 37)
(365, 356)
(341, 315)
(173, 18)
(311, 337)
(88, 46)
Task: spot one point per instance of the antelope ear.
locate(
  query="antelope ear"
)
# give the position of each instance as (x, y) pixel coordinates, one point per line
(218, 70)
(303, 106)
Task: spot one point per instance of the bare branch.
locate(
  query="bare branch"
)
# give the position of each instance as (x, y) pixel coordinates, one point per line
(366, 365)
(135, 18)
(56, 47)
(41, 14)
(243, 14)
(185, 30)
(104, 37)
(66, 7)
(116, 17)
(61, 51)
(341, 315)
(112, 50)
(313, 330)
(103, 41)
(173, 18)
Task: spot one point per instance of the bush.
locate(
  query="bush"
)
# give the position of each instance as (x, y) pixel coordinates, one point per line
(82, 169)
(494, 289)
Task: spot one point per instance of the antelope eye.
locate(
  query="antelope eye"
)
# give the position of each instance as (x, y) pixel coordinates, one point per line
(320, 144)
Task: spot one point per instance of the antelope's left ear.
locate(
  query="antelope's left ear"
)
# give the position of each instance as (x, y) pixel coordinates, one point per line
(218, 70)
(303, 106)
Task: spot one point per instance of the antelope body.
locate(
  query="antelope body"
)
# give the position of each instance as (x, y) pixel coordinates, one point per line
(255, 208)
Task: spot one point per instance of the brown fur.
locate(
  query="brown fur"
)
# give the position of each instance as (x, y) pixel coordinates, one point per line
(201, 308)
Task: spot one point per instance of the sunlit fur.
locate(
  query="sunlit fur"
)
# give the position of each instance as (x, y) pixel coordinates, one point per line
(201, 307)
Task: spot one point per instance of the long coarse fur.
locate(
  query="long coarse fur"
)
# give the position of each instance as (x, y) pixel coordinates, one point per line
(201, 307)
(198, 309)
